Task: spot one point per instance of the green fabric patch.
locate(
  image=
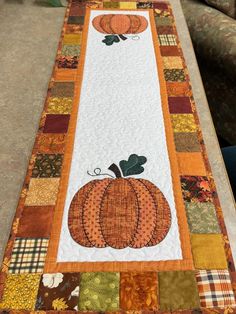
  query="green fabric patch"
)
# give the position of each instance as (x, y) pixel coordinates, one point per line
(202, 217)
(113, 5)
(178, 291)
(163, 21)
(174, 75)
(70, 50)
(99, 291)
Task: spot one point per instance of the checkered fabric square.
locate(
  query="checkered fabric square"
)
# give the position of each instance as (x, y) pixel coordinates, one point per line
(167, 40)
(215, 289)
(28, 255)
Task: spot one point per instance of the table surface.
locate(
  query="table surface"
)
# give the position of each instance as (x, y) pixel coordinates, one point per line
(31, 33)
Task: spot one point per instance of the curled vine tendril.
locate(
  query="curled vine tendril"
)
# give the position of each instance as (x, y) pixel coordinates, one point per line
(97, 172)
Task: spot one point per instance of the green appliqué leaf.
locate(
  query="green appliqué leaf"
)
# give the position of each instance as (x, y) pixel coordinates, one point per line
(110, 39)
(133, 165)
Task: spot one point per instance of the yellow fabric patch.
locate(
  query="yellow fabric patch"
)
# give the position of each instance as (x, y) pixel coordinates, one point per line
(183, 123)
(42, 192)
(127, 5)
(208, 251)
(70, 39)
(20, 292)
(60, 105)
(172, 63)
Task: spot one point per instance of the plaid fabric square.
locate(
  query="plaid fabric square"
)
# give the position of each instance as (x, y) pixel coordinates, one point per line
(215, 289)
(167, 40)
(28, 255)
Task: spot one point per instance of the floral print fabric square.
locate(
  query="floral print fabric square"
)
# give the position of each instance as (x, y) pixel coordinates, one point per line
(58, 292)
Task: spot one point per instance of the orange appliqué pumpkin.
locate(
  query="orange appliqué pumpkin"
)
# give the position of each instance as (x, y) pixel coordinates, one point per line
(116, 25)
(119, 212)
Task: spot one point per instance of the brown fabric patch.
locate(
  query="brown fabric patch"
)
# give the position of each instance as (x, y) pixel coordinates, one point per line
(160, 6)
(58, 292)
(138, 291)
(187, 142)
(165, 30)
(63, 89)
(47, 166)
(36, 221)
(178, 89)
(169, 50)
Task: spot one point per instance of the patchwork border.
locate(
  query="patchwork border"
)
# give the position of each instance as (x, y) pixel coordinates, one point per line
(198, 187)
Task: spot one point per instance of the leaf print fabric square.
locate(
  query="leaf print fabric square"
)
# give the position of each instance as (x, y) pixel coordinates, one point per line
(70, 50)
(58, 292)
(196, 189)
(50, 143)
(208, 251)
(68, 62)
(202, 217)
(178, 291)
(175, 88)
(138, 291)
(20, 292)
(99, 291)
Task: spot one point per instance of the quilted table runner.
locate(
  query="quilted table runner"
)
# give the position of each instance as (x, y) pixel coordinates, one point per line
(119, 211)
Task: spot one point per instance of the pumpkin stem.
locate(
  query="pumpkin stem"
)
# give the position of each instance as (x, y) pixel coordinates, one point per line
(122, 37)
(114, 168)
